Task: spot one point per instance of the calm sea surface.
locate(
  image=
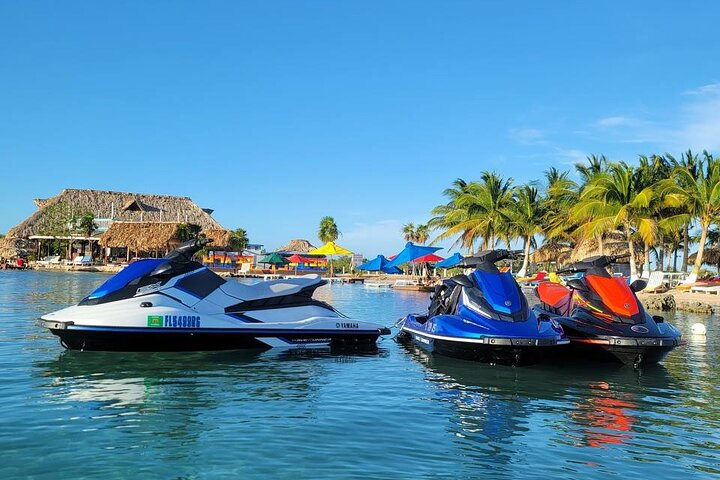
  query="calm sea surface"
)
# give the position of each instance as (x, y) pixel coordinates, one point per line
(396, 413)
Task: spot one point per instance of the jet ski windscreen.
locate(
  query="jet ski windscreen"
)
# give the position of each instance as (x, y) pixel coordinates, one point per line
(500, 291)
(132, 272)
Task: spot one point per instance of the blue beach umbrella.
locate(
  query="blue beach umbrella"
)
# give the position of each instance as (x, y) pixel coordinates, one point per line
(410, 253)
(379, 264)
(450, 261)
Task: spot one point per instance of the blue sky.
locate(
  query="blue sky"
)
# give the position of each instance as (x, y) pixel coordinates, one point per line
(278, 113)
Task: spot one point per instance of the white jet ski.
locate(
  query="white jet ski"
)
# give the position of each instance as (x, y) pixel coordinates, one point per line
(177, 304)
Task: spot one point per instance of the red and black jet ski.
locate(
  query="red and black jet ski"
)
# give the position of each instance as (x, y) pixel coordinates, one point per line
(603, 317)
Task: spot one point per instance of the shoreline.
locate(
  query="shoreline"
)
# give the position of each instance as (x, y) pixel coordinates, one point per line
(683, 301)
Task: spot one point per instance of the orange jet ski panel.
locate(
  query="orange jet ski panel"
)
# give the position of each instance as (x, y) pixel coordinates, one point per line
(615, 294)
(553, 294)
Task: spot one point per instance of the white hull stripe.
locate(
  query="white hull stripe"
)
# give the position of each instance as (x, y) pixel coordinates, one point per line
(484, 341)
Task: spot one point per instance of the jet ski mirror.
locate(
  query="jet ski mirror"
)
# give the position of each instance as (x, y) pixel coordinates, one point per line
(462, 280)
(638, 285)
(576, 284)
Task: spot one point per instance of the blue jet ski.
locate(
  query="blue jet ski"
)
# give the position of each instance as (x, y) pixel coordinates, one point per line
(483, 316)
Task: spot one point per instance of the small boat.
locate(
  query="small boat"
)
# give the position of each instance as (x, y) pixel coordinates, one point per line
(411, 285)
(603, 317)
(177, 304)
(483, 316)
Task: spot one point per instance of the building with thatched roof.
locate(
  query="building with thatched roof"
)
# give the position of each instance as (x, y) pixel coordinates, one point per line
(108, 207)
(145, 222)
(297, 246)
(9, 248)
(711, 256)
(155, 237)
(614, 243)
(552, 253)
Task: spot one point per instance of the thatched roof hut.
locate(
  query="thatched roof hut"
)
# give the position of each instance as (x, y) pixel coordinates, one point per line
(297, 246)
(614, 243)
(552, 252)
(142, 236)
(220, 238)
(711, 256)
(116, 206)
(8, 248)
(155, 236)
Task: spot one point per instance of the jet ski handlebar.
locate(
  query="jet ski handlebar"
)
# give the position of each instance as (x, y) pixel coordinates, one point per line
(490, 256)
(187, 249)
(597, 261)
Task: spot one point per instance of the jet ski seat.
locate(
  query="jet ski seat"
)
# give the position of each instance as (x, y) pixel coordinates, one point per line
(272, 288)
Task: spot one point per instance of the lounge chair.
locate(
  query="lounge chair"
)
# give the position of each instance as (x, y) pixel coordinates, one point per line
(655, 283)
(49, 260)
(710, 289)
(688, 282)
(533, 281)
(82, 260)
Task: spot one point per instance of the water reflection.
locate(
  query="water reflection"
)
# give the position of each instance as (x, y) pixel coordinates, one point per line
(582, 406)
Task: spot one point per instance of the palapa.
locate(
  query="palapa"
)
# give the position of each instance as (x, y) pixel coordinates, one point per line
(118, 206)
(8, 248)
(297, 246)
(220, 238)
(711, 256)
(141, 236)
(614, 243)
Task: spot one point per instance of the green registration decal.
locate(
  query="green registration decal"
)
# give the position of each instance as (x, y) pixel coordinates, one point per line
(155, 321)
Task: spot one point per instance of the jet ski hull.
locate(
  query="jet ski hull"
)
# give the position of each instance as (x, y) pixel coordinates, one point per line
(494, 349)
(177, 304)
(622, 344)
(74, 337)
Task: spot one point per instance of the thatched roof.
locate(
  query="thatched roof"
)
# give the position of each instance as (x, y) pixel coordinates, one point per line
(297, 246)
(151, 236)
(219, 236)
(552, 252)
(614, 243)
(10, 248)
(118, 206)
(711, 256)
(141, 236)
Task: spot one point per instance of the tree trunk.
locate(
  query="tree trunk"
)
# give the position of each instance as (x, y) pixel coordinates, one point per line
(661, 252)
(601, 244)
(701, 248)
(631, 246)
(686, 247)
(675, 260)
(646, 264)
(526, 259)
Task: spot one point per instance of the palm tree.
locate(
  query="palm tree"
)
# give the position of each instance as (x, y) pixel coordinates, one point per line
(561, 194)
(450, 215)
(478, 212)
(699, 195)
(328, 230)
(691, 163)
(187, 231)
(649, 173)
(86, 225)
(526, 217)
(239, 240)
(595, 166)
(422, 233)
(614, 199)
(409, 232)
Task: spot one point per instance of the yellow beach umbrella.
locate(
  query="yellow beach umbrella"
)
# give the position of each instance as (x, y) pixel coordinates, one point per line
(330, 249)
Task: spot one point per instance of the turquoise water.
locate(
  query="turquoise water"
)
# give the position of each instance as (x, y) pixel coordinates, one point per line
(396, 413)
